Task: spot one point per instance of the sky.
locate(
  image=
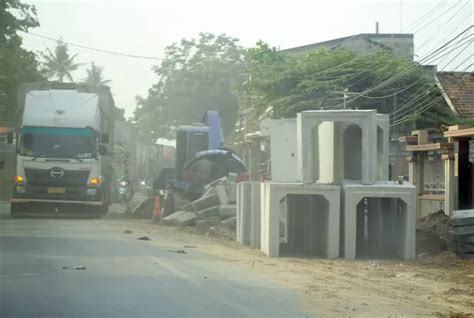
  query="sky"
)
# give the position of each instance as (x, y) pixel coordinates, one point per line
(146, 27)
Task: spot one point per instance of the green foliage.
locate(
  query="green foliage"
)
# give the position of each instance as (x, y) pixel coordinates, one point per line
(288, 85)
(59, 63)
(15, 16)
(95, 77)
(196, 75)
(17, 65)
(213, 73)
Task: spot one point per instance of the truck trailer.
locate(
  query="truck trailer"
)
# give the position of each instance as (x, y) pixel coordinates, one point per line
(64, 148)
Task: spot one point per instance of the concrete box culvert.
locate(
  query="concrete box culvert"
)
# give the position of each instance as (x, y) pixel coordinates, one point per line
(337, 145)
(378, 220)
(279, 215)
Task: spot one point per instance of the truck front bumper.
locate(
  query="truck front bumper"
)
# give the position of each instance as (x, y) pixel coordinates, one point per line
(40, 193)
(94, 203)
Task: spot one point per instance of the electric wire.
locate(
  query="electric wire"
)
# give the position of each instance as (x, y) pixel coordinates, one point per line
(95, 49)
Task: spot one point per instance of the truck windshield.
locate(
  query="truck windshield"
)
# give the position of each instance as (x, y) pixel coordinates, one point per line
(58, 142)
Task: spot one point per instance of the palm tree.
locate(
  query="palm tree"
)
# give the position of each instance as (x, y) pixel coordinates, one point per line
(94, 76)
(60, 63)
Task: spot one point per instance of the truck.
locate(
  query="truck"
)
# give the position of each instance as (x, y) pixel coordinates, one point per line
(64, 144)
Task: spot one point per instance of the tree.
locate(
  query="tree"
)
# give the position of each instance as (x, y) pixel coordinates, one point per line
(15, 16)
(330, 79)
(196, 75)
(17, 65)
(95, 77)
(59, 63)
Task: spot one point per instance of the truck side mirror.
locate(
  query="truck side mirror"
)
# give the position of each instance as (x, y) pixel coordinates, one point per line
(104, 138)
(103, 150)
(10, 138)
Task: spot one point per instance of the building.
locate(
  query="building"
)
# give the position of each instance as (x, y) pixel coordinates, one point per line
(442, 168)
(365, 43)
(457, 89)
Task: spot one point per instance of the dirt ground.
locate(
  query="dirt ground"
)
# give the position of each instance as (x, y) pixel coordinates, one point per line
(439, 286)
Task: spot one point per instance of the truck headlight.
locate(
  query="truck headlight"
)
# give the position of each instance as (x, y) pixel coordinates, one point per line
(95, 181)
(91, 191)
(19, 179)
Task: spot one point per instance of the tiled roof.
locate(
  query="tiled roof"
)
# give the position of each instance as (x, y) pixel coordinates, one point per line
(459, 86)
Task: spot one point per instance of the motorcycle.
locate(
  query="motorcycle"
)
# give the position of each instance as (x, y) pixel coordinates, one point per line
(124, 192)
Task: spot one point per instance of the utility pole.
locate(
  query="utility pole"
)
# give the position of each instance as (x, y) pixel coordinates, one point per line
(401, 6)
(346, 91)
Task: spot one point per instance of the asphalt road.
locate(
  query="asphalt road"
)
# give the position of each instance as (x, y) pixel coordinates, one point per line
(124, 277)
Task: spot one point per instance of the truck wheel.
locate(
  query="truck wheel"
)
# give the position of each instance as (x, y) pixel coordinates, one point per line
(16, 210)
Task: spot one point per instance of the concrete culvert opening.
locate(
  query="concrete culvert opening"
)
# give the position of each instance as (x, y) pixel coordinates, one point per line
(304, 230)
(379, 141)
(353, 152)
(380, 151)
(380, 228)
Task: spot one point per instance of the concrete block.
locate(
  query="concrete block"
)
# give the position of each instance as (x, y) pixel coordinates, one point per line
(230, 222)
(188, 207)
(214, 183)
(209, 192)
(185, 219)
(228, 210)
(231, 190)
(221, 193)
(170, 218)
(323, 230)
(205, 202)
(283, 149)
(462, 217)
(378, 220)
(464, 230)
(336, 145)
(232, 177)
(209, 212)
(232, 195)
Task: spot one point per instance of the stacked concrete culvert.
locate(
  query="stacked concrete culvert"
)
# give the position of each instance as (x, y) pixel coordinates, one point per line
(330, 196)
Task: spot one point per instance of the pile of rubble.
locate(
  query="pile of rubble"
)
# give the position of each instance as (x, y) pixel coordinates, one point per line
(432, 233)
(216, 207)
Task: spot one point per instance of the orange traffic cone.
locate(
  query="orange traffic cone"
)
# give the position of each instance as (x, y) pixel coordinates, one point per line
(157, 209)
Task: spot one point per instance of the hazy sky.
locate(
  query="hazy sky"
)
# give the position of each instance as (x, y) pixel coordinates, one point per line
(147, 27)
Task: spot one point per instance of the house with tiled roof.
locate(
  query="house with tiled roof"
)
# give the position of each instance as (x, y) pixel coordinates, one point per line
(457, 89)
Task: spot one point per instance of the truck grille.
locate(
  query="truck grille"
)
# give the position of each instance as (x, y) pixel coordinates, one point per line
(43, 177)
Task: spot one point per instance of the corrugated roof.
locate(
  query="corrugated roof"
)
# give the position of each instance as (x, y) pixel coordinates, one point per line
(459, 86)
